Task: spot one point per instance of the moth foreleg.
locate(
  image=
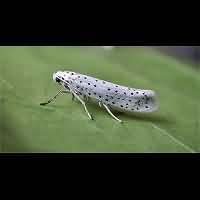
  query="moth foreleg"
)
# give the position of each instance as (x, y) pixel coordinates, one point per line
(53, 98)
(86, 110)
(72, 96)
(106, 107)
(100, 104)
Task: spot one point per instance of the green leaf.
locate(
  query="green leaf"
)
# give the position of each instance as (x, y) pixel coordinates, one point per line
(63, 126)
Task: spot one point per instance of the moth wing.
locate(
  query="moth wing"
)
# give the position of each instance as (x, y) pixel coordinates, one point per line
(146, 101)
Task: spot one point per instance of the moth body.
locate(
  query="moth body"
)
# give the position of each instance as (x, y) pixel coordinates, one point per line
(117, 97)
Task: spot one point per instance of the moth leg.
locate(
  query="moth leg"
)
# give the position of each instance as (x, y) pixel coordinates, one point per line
(85, 98)
(86, 110)
(100, 104)
(53, 98)
(106, 107)
(72, 97)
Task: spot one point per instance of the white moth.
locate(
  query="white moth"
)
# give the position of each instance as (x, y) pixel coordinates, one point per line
(106, 94)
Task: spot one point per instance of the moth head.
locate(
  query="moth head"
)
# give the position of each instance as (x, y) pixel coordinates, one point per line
(62, 78)
(58, 77)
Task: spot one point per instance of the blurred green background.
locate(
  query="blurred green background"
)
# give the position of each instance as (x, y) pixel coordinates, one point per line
(63, 126)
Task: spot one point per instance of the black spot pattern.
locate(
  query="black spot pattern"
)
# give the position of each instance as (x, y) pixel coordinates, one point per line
(117, 96)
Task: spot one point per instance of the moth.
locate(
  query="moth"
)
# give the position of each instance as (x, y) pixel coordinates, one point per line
(108, 95)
